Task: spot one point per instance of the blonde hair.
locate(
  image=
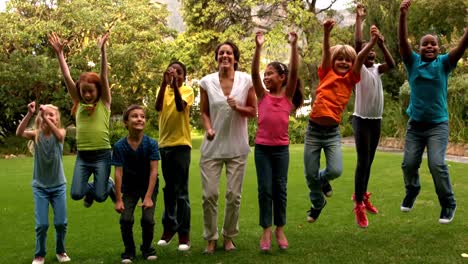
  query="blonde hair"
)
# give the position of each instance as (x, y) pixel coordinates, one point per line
(38, 122)
(346, 51)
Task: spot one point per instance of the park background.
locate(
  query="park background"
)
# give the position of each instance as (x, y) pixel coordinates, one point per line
(143, 41)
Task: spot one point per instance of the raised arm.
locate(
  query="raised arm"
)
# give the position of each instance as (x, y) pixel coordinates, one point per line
(293, 66)
(106, 93)
(360, 16)
(405, 48)
(205, 115)
(21, 129)
(456, 53)
(180, 104)
(57, 45)
(256, 79)
(326, 54)
(389, 62)
(162, 90)
(362, 55)
(59, 133)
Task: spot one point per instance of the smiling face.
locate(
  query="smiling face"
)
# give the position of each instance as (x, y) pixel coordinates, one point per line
(429, 48)
(226, 57)
(342, 65)
(272, 79)
(51, 114)
(136, 120)
(89, 92)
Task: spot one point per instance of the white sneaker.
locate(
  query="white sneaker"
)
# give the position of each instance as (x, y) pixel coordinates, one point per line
(63, 257)
(151, 257)
(38, 260)
(126, 261)
(184, 247)
(163, 242)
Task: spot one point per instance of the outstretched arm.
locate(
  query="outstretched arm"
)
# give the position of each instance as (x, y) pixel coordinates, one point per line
(360, 16)
(405, 48)
(365, 51)
(106, 93)
(456, 53)
(389, 62)
(21, 130)
(57, 44)
(293, 67)
(256, 79)
(326, 54)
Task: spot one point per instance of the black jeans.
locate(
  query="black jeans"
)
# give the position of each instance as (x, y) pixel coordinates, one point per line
(366, 137)
(175, 163)
(147, 221)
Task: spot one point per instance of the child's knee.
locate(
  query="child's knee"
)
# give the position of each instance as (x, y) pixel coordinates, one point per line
(42, 228)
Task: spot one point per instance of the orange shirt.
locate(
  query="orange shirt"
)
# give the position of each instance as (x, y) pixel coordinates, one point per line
(332, 95)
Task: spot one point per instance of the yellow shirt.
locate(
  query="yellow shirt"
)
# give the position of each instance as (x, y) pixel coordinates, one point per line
(174, 126)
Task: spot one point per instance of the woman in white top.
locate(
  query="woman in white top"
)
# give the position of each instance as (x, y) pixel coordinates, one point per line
(227, 99)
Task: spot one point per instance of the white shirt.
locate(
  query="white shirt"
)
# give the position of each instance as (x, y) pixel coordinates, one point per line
(369, 98)
(231, 138)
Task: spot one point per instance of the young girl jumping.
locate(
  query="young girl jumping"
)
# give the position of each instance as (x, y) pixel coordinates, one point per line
(271, 141)
(339, 71)
(49, 183)
(91, 98)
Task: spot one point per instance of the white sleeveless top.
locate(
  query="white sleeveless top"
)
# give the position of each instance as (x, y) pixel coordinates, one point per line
(369, 99)
(231, 138)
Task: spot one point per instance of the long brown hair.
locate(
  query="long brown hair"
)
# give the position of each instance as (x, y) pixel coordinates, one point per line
(87, 77)
(298, 97)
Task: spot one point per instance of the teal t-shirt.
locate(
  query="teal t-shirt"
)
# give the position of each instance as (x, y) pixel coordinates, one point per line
(48, 167)
(428, 85)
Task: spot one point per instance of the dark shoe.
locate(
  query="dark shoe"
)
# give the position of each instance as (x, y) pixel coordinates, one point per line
(407, 203)
(149, 253)
(447, 215)
(88, 201)
(313, 214)
(166, 238)
(184, 243)
(327, 189)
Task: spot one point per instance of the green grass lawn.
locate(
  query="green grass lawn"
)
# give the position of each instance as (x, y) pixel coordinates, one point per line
(392, 236)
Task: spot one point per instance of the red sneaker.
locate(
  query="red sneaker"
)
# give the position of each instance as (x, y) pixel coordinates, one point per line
(360, 212)
(369, 206)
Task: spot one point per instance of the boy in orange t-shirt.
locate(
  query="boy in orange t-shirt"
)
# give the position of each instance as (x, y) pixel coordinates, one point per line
(338, 73)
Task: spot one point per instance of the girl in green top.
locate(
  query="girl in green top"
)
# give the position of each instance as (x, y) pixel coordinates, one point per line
(91, 98)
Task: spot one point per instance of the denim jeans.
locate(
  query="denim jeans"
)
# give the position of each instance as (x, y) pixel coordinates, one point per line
(272, 164)
(420, 135)
(55, 196)
(366, 137)
(175, 164)
(97, 162)
(130, 201)
(318, 138)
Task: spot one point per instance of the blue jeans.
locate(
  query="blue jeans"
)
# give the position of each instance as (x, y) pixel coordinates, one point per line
(317, 138)
(420, 135)
(175, 164)
(55, 196)
(97, 162)
(272, 164)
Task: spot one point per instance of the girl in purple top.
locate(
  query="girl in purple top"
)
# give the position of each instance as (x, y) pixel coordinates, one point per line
(275, 103)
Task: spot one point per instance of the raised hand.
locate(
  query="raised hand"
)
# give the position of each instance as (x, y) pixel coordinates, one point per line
(404, 6)
(169, 75)
(361, 11)
(102, 40)
(56, 42)
(292, 38)
(328, 25)
(32, 107)
(259, 38)
(380, 40)
(374, 32)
